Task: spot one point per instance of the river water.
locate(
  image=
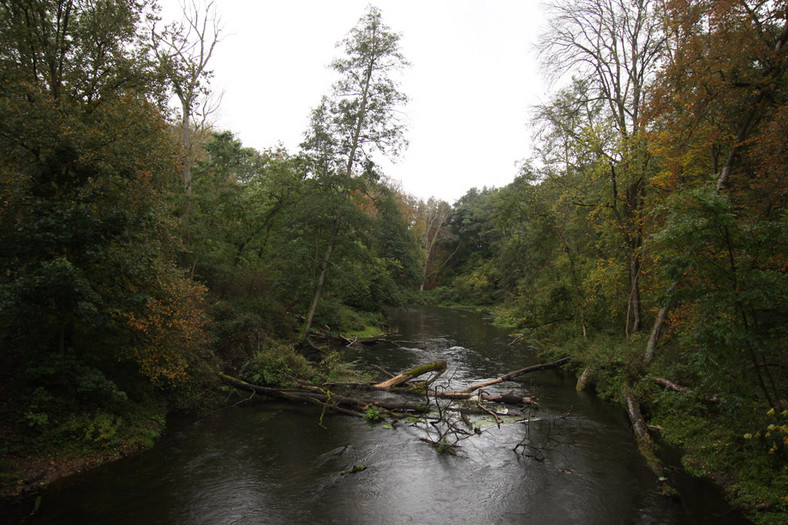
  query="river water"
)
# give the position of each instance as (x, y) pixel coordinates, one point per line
(270, 462)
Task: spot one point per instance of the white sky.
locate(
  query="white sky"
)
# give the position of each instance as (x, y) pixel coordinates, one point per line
(472, 80)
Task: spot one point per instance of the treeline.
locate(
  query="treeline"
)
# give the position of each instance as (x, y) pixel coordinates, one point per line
(143, 251)
(647, 236)
(656, 203)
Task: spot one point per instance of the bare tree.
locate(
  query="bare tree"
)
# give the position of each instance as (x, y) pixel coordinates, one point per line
(435, 215)
(183, 50)
(613, 47)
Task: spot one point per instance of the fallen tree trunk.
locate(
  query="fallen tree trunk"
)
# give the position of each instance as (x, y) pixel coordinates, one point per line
(321, 396)
(582, 381)
(349, 340)
(512, 375)
(510, 399)
(670, 385)
(646, 445)
(437, 366)
(354, 406)
(636, 419)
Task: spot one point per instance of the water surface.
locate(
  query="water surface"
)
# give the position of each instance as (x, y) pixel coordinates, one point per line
(273, 462)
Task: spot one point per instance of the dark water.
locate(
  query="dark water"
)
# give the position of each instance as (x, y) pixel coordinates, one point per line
(275, 463)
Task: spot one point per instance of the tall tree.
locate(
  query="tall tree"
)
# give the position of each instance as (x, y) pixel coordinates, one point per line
(358, 119)
(613, 47)
(183, 49)
(434, 214)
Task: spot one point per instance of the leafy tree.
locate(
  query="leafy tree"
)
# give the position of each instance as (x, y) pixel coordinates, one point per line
(392, 238)
(613, 48)
(472, 245)
(358, 119)
(84, 237)
(724, 176)
(731, 289)
(547, 252)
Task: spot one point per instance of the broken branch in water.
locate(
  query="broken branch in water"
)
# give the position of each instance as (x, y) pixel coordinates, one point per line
(512, 375)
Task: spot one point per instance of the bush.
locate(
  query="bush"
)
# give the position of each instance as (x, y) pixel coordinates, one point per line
(373, 415)
(277, 366)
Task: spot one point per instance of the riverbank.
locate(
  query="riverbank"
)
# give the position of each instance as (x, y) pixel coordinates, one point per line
(27, 464)
(24, 476)
(740, 444)
(288, 462)
(35, 453)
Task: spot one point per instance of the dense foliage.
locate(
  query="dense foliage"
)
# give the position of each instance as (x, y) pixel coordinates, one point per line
(141, 251)
(648, 235)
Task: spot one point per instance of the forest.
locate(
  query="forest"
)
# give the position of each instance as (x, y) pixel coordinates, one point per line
(143, 251)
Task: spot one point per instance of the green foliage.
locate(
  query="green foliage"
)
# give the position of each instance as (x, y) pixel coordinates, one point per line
(99, 428)
(615, 365)
(734, 309)
(276, 366)
(444, 447)
(374, 415)
(773, 435)
(93, 310)
(334, 369)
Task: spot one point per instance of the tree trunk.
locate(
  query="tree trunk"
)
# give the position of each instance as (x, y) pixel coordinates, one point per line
(582, 381)
(670, 385)
(316, 394)
(186, 137)
(646, 445)
(575, 285)
(321, 279)
(651, 346)
(633, 307)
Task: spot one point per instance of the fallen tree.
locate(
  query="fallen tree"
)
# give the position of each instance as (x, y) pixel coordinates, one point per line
(512, 375)
(354, 405)
(646, 444)
(323, 397)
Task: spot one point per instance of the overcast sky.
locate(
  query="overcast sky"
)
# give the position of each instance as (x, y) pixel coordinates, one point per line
(472, 80)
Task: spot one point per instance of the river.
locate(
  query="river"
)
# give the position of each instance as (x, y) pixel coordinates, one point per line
(270, 462)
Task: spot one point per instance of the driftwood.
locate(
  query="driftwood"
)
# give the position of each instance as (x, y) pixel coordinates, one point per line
(316, 395)
(349, 341)
(512, 375)
(509, 399)
(382, 370)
